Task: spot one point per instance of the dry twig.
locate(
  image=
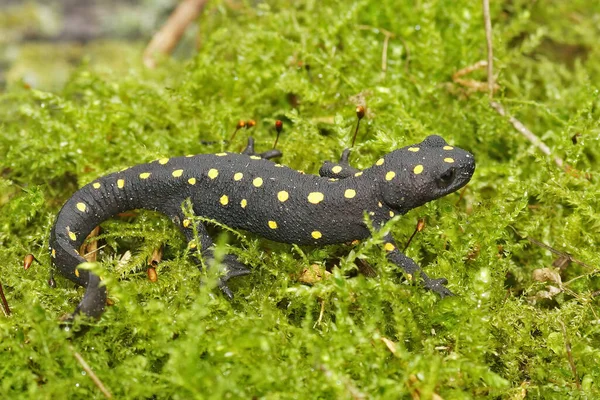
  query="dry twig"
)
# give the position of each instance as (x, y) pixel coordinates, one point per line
(387, 36)
(322, 301)
(5, 306)
(518, 125)
(471, 84)
(570, 355)
(490, 53)
(165, 40)
(562, 254)
(91, 374)
(89, 248)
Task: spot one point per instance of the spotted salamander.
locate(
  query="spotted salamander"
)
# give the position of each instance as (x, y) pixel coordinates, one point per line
(248, 191)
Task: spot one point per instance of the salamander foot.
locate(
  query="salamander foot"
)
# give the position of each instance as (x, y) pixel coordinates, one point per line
(233, 268)
(437, 286)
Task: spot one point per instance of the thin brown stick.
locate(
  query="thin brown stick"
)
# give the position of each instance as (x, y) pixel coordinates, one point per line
(387, 36)
(518, 125)
(468, 69)
(490, 52)
(5, 306)
(94, 251)
(559, 253)
(90, 246)
(322, 301)
(537, 142)
(384, 55)
(91, 374)
(570, 355)
(165, 40)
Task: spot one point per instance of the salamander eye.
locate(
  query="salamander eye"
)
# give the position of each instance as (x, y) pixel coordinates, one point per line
(446, 178)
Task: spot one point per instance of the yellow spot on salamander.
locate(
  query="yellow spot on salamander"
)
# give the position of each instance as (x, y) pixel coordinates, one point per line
(72, 235)
(257, 182)
(358, 174)
(272, 224)
(449, 160)
(315, 197)
(96, 185)
(379, 204)
(163, 161)
(238, 176)
(192, 181)
(392, 214)
(53, 253)
(220, 154)
(81, 207)
(145, 175)
(224, 200)
(213, 173)
(76, 272)
(186, 222)
(278, 165)
(189, 155)
(255, 157)
(413, 149)
(349, 193)
(283, 196)
(332, 179)
(316, 235)
(337, 169)
(448, 148)
(121, 183)
(243, 203)
(390, 175)
(380, 162)
(389, 247)
(177, 173)
(418, 169)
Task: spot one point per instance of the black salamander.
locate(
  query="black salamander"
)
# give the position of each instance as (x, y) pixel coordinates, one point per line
(247, 191)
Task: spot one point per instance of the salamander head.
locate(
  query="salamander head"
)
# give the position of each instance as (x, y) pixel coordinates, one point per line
(416, 174)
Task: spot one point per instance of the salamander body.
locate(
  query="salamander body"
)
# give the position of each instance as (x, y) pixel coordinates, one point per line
(250, 192)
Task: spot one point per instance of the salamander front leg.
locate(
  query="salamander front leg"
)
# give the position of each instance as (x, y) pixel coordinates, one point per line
(267, 155)
(411, 268)
(339, 170)
(233, 267)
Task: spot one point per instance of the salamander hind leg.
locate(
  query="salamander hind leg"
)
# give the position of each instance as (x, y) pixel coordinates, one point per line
(267, 155)
(339, 170)
(233, 268)
(203, 246)
(94, 300)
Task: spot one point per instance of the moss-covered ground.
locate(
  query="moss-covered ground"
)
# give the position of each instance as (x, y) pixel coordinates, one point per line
(507, 334)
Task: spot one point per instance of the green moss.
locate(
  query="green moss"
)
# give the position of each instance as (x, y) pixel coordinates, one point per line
(179, 338)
